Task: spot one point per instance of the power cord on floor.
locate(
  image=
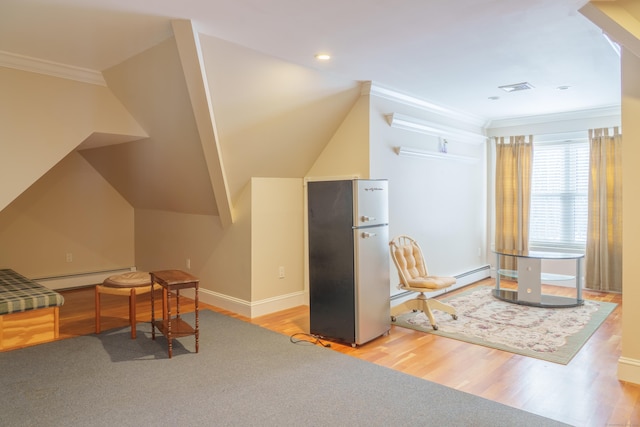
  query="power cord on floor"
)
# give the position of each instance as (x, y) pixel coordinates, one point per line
(311, 339)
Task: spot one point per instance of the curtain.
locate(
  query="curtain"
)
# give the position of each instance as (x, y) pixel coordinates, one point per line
(514, 161)
(603, 255)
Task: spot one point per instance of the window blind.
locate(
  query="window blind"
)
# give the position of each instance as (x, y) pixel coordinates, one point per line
(559, 195)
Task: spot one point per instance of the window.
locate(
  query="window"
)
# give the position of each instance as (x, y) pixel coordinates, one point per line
(559, 195)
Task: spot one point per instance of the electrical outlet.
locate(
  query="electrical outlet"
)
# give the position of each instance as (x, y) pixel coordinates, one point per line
(281, 272)
(69, 257)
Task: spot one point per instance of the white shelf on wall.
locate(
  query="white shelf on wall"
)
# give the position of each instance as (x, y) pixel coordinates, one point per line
(402, 121)
(415, 152)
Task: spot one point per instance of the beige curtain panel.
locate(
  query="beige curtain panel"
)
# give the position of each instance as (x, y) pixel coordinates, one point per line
(603, 256)
(514, 160)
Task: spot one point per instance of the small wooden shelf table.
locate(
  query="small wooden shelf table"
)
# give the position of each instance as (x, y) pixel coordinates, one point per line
(173, 326)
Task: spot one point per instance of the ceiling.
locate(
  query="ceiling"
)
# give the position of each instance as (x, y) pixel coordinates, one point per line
(452, 53)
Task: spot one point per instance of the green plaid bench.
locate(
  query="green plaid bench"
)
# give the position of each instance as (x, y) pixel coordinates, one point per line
(18, 294)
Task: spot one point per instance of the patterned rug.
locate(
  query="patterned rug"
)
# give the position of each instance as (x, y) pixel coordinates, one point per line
(555, 335)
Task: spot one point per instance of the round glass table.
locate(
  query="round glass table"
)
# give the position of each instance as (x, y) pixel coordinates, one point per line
(529, 277)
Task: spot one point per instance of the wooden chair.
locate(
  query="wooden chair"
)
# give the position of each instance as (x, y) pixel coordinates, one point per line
(414, 276)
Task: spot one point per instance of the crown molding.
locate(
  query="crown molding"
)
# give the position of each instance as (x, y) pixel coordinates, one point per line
(372, 88)
(562, 125)
(593, 113)
(50, 68)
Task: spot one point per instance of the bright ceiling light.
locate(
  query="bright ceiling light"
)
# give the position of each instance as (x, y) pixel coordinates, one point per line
(323, 56)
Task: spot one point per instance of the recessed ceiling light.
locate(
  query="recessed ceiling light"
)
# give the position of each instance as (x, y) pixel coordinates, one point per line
(494, 98)
(564, 87)
(516, 87)
(323, 56)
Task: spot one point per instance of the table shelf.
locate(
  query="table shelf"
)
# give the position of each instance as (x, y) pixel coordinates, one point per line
(544, 276)
(529, 277)
(179, 328)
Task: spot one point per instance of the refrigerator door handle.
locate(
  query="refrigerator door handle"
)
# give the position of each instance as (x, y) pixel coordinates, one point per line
(366, 235)
(365, 218)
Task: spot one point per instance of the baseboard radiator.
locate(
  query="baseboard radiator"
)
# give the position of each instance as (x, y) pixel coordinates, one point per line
(79, 280)
(462, 280)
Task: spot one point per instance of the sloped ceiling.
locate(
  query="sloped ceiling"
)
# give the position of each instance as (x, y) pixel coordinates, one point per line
(273, 119)
(275, 110)
(166, 171)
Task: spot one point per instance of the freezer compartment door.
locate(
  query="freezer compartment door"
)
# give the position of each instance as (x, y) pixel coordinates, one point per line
(371, 202)
(372, 283)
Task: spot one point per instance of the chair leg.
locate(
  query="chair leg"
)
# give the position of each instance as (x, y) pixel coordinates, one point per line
(132, 313)
(439, 305)
(97, 310)
(429, 313)
(409, 305)
(426, 305)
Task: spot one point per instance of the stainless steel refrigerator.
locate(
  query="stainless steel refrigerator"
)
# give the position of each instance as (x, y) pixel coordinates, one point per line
(349, 292)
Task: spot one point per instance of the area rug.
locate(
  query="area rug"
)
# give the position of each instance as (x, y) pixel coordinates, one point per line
(243, 375)
(555, 335)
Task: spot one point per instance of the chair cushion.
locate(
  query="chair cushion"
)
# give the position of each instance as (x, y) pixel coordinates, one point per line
(128, 280)
(431, 282)
(410, 261)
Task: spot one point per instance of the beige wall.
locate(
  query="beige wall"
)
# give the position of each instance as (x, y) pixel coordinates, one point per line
(629, 366)
(347, 153)
(70, 210)
(220, 258)
(43, 118)
(238, 266)
(276, 237)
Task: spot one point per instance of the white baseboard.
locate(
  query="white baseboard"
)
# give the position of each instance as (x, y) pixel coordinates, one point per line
(282, 302)
(80, 279)
(629, 370)
(255, 308)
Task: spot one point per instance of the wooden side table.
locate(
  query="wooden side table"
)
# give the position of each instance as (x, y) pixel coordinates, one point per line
(173, 326)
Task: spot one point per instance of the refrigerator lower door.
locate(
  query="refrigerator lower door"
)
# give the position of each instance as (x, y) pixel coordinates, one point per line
(372, 283)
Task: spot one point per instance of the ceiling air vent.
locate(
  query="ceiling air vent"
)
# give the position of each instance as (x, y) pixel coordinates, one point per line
(516, 87)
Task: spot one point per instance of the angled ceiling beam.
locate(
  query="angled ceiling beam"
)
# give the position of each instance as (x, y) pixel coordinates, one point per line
(618, 19)
(193, 67)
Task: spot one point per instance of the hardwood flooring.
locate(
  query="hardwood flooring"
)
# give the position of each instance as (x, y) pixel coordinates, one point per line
(586, 392)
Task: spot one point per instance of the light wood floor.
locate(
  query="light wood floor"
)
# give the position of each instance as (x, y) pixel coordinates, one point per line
(585, 392)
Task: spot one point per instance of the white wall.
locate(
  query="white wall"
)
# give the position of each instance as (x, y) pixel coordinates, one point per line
(440, 202)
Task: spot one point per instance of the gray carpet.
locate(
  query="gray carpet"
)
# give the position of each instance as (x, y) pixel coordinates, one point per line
(244, 375)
